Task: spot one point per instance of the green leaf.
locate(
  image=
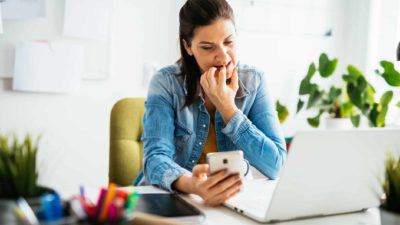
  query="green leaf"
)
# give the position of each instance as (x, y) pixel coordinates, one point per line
(346, 110)
(311, 71)
(398, 104)
(326, 67)
(355, 120)
(380, 120)
(354, 95)
(283, 112)
(354, 76)
(306, 86)
(373, 115)
(386, 98)
(300, 104)
(360, 92)
(334, 93)
(383, 108)
(349, 79)
(369, 98)
(314, 98)
(314, 121)
(390, 74)
(354, 71)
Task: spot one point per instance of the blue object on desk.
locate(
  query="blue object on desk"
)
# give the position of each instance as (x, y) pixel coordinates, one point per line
(51, 207)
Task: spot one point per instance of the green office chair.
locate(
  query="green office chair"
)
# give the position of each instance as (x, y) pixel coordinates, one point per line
(126, 148)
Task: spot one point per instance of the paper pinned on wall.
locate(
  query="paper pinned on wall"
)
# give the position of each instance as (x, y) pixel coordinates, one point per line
(87, 18)
(47, 67)
(23, 9)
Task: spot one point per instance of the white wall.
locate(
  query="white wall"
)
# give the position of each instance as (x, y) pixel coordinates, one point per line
(75, 127)
(74, 148)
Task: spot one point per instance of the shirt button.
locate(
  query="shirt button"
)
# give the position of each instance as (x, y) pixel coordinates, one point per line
(200, 143)
(192, 161)
(204, 125)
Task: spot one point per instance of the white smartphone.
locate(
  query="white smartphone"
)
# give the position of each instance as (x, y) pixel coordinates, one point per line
(230, 160)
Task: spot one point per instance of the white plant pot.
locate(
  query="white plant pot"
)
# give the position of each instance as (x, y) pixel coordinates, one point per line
(338, 123)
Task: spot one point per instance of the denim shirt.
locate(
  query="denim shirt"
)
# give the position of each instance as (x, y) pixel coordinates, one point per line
(174, 137)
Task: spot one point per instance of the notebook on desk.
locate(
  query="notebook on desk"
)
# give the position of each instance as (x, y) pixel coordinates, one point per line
(326, 173)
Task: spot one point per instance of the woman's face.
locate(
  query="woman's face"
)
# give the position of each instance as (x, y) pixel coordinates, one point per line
(214, 46)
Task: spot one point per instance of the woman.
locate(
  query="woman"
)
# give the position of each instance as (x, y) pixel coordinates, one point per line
(208, 102)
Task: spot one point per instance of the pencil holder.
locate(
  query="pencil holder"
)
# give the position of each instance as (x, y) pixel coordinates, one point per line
(113, 206)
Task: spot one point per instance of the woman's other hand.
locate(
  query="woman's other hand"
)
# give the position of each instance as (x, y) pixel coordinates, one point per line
(214, 189)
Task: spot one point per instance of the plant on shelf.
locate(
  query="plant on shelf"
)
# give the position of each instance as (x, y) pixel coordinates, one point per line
(282, 110)
(354, 99)
(390, 208)
(333, 101)
(18, 175)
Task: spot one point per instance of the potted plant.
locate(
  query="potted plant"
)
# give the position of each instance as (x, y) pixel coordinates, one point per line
(18, 175)
(390, 207)
(334, 101)
(354, 99)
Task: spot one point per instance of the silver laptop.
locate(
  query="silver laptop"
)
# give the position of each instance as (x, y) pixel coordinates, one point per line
(326, 173)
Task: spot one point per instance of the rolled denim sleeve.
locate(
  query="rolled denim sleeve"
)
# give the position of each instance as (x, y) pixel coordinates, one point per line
(158, 135)
(259, 134)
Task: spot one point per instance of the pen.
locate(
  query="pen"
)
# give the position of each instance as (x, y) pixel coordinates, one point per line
(112, 188)
(100, 201)
(112, 212)
(131, 204)
(27, 211)
(82, 192)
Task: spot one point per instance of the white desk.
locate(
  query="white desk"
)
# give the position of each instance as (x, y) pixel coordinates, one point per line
(223, 215)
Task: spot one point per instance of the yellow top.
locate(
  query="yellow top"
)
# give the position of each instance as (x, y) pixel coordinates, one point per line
(210, 145)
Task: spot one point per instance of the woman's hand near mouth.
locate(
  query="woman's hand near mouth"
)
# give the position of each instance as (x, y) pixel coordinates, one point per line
(221, 94)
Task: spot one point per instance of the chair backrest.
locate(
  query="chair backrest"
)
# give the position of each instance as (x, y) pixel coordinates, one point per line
(126, 148)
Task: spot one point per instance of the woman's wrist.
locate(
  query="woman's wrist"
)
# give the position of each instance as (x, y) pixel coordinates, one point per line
(228, 112)
(183, 184)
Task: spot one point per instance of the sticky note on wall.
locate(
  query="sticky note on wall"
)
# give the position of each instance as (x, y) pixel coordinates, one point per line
(87, 18)
(23, 9)
(47, 67)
